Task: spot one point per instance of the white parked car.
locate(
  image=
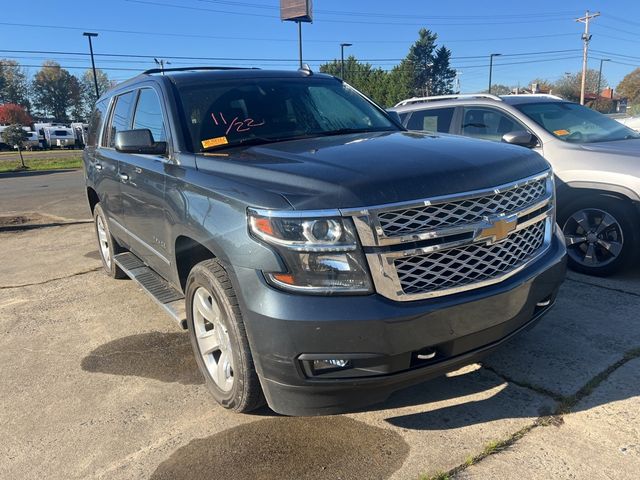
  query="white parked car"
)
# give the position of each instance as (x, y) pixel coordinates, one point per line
(631, 122)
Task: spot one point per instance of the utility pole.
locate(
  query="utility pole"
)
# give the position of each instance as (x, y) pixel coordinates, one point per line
(458, 75)
(93, 63)
(491, 68)
(602, 60)
(342, 45)
(586, 38)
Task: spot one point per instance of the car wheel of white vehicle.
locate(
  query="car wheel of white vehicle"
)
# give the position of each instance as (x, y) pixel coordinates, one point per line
(601, 233)
(219, 339)
(107, 246)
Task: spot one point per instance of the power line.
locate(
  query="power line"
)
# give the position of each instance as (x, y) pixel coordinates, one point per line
(245, 13)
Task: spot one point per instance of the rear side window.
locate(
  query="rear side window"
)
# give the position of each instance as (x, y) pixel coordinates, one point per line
(121, 117)
(435, 120)
(149, 115)
(96, 121)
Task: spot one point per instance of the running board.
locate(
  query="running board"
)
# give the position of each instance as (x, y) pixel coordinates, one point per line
(157, 287)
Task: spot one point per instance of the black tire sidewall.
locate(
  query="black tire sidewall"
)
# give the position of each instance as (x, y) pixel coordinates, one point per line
(627, 219)
(202, 277)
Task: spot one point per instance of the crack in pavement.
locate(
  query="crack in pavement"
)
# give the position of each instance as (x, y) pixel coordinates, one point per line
(612, 289)
(21, 228)
(541, 390)
(564, 407)
(84, 272)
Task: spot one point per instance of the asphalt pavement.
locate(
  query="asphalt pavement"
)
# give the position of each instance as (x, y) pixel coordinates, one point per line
(98, 382)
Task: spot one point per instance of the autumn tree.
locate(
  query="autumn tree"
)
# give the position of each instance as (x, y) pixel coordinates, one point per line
(629, 87)
(14, 87)
(569, 86)
(11, 113)
(55, 91)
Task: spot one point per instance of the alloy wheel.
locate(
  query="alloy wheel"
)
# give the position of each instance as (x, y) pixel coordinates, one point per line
(594, 237)
(212, 337)
(103, 239)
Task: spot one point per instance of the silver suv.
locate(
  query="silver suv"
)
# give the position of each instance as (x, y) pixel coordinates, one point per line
(596, 161)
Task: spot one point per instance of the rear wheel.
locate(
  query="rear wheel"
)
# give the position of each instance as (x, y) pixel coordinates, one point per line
(107, 246)
(219, 339)
(601, 233)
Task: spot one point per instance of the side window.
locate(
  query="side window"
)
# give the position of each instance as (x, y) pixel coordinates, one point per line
(96, 122)
(149, 114)
(488, 124)
(121, 116)
(434, 120)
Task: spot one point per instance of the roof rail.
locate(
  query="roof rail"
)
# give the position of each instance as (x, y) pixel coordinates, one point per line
(548, 95)
(410, 101)
(186, 69)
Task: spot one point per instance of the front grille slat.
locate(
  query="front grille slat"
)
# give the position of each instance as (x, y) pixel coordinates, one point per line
(455, 213)
(469, 264)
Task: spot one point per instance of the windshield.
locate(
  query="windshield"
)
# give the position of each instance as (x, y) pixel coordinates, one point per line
(224, 114)
(574, 123)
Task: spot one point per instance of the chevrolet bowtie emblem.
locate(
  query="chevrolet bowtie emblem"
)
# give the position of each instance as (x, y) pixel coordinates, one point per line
(500, 228)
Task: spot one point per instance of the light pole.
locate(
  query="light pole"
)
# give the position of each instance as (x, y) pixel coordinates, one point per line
(162, 63)
(93, 63)
(602, 60)
(491, 67)
(342, 45)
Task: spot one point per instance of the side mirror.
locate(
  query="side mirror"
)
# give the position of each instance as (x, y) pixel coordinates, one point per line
(139, 141)
(521, 138)
(394, 116)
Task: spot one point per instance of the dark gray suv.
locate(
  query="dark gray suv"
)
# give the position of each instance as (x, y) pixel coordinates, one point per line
(319, 254)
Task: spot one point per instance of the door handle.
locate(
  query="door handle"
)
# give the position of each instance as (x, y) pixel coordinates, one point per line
(98, 166)
(123, 176)
(137, 170)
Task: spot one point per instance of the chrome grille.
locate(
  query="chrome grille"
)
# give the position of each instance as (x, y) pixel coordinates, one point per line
(460, 212)
(455, 267)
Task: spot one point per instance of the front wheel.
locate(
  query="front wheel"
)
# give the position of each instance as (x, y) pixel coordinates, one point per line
(601, 233)
(219, 339)
(107, 246)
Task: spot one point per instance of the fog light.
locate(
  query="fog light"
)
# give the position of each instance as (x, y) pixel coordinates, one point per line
(330, 364)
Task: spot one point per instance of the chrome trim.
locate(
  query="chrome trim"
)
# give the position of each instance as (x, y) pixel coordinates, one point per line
(387, 283)
(294, 213)
(140, 241)
(372, 235)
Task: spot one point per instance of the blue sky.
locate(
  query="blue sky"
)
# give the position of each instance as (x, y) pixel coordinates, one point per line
(250, 32)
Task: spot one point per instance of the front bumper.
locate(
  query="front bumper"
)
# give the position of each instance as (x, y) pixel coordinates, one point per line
(461, 328)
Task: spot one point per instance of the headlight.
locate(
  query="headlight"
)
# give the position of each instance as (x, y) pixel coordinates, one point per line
(321, 253)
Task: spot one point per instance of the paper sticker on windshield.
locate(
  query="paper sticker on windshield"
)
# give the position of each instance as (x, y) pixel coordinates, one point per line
(561, 133)
(214, 142)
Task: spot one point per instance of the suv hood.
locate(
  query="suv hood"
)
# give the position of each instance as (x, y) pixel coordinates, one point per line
(359, 170)
(630, 147)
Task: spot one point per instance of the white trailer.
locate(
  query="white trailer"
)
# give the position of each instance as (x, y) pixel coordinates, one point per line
(61, 137)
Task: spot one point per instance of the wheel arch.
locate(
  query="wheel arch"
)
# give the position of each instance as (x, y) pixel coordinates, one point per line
(188, 253)
(93, 198)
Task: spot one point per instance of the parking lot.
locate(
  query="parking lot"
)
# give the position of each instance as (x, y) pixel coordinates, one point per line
(99, 383)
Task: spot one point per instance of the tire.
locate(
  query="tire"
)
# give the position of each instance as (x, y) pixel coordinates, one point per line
(226, 364)
(595, 249)
(107, 245)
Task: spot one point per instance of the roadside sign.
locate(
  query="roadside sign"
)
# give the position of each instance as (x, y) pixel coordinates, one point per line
(296, 10)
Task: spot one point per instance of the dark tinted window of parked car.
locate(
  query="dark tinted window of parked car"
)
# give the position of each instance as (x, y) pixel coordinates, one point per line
(487, 124)
(436, 120)
(121, 117)
(229, 113)
(149, 114)
(96, 121)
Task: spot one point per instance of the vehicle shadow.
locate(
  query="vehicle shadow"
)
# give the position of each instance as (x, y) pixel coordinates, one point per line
(166, 357)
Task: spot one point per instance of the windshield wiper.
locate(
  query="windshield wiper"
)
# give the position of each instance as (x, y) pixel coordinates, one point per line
(344, 131)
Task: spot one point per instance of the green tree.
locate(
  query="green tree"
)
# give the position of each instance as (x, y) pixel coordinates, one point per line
(14, 87)
(499, 89)
(363, 76)
(443, 75)
(629, 87)
(14, 135)
(55, 91)
(88, 90)
(569, 86)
